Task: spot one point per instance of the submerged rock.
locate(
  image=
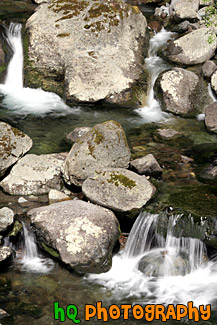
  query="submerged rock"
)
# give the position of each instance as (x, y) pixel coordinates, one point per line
(13, 145)
(105, 145)
(147, 165)
(34, 175)
(169, 133)
(87, 41)
(82, 234)
(178, 89)
(193, 48)
(211, 117)
(76, 134)
(6, 218)
(118, 189)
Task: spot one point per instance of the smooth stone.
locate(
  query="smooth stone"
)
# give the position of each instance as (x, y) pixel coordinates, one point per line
(147, 165)
(55, 196)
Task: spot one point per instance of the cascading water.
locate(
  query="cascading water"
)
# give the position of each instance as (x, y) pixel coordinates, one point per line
(158, 270)
(155, 65)
(26, 100)
(31, 260)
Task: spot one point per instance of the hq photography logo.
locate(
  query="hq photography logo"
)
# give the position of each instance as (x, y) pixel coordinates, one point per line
(125, 312)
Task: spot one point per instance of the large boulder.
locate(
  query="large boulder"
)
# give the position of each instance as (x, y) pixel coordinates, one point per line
(6, 218)
(81, 234)
(211, 117)
(13, 145)
(34, 175)
(193, 48)
(179, 90)
(119, 189)
(105, 145)
(214, 82)
(95, 46)
(184, 10)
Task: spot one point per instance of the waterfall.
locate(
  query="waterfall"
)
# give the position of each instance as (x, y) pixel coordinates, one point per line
(14, 78)
(26, 100)
(155, 65)
(160, 266)
(31, 260)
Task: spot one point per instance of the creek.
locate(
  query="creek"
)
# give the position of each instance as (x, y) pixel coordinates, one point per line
(176, 268)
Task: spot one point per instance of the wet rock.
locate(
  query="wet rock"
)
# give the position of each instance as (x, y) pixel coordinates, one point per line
(162, 12)
(2, 56)
(208, 68)
(105, 145)
(55, 196)
(214, 82)
(81, 233)
(169, 133)
(147, 165)
(185, 26)
(6, 218)
(178, 90)
(78, 42)
(193, 48)
(13, 145)
(76, 134)
(211, 117)
(184, 10)
(118, 189)
(6, 254)
(3, 313)
(209, 173)
(34, 175)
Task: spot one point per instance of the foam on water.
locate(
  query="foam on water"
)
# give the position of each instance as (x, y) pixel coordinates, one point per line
(197, 282)
(26, 100)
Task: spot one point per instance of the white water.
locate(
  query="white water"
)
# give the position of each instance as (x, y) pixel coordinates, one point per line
(184, 274)
(26, 100)
(155, 65)
(31, 260)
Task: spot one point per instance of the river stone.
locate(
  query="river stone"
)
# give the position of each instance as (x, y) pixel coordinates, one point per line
(178, 90)
(169, 133)
(77, 133)
(214, 82)
(211, 117)
(147, 165)
(184, 10)
(96, 47)
(118, 189)
(6, 254)
(193, 48)
(82, 233)
(34, 175)
(105, 145)
(55, 196)
(13, 145)
(208, 68)
(6, 218)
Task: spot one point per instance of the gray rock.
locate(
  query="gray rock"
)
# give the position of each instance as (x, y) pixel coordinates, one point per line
(184, 10)
(169, 133)
(178, 90)
(80, 45)
(55, 196)
(208, 68)
(6, 254)
(34, 175)
(83, 234)
(193, 48)
(210, 173)
(211, 117)
(185, 26)
(214, 82)
(77, 133)
(13, 145)
(105, 145)
(118, 189)
(147, 165)
(6, 218)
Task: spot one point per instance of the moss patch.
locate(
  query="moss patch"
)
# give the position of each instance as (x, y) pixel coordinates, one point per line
(119, 179)
(50, 250)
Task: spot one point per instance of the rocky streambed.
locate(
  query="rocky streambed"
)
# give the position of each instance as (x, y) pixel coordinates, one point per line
(79, 193)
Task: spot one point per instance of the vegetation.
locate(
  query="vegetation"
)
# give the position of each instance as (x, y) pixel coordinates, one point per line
(210, 20)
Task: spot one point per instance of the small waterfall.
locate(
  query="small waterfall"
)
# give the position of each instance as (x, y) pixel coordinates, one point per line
(26, 100)
(31, 261)
(155, 65)
(14, 78)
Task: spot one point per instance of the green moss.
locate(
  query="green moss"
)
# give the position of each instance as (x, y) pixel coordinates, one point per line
(91, 149)
(16, 229)
(97, 137)
(50, 250)
(119, 179)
